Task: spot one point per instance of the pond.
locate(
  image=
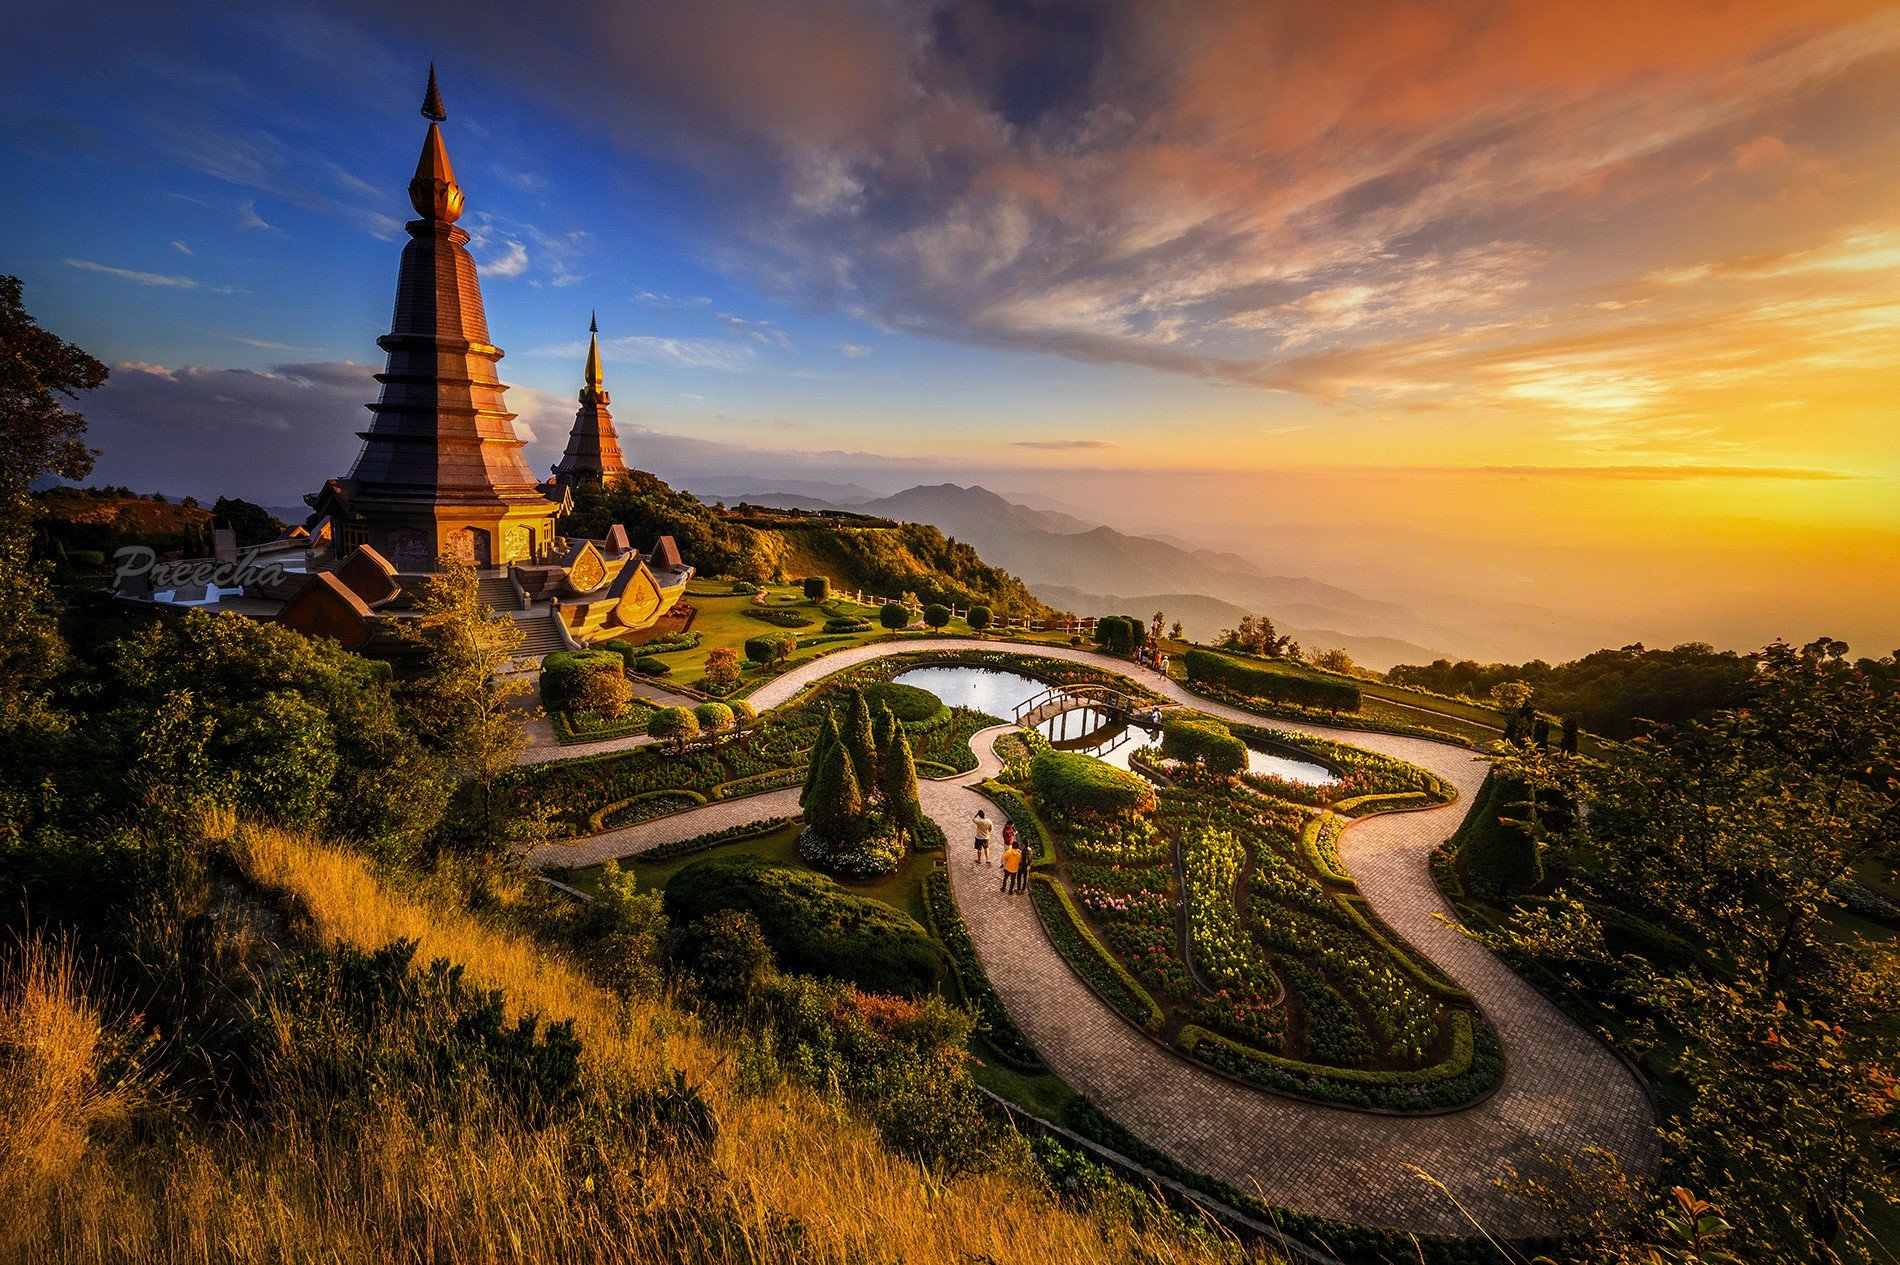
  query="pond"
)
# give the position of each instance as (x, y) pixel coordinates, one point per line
(1000, 692)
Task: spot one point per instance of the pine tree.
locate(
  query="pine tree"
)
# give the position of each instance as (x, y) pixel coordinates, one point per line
(834, 803)
(859, 740)
(901, 803)
(827, 739)
(884, 733)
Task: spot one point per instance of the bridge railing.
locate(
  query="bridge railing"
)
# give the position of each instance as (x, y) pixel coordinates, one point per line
(1104, 698)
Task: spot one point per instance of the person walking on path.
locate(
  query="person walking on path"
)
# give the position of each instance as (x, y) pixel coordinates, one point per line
(1009, 834)
(1023, 867)
(983, 828)
(1012, 862)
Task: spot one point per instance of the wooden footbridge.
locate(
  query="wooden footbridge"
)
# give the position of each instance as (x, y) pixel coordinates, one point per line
(1058, 699)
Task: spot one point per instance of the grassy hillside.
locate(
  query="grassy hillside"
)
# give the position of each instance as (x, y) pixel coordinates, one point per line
(666, 1141)
(880, 557)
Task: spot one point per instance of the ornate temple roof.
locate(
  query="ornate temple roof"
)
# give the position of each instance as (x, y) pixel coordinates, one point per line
(593, 447)
(442, 432)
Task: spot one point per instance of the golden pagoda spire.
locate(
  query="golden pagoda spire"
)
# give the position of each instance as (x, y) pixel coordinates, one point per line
(595, 380)
(433, 192)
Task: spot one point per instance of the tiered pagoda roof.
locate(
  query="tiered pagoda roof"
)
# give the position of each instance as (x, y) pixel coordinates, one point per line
(593, 447)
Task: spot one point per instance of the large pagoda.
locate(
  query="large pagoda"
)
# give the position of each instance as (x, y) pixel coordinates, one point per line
(442, 473)
(593, 449)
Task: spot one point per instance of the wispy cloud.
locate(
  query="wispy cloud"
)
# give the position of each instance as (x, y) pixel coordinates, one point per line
(149, 278)
(723, 355)
(764, 333)
(181, 248)
(853, 351)
(1064, 445)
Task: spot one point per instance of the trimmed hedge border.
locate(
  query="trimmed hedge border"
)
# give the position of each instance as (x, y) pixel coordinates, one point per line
(1089, 957)
(757, 783)
(596, 821)
(993, 1021)
(1469, 1074)
(1319, 845)
(1021, 815)
(1267, 710)
(713, 839)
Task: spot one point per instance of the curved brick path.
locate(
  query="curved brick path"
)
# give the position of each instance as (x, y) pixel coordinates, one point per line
(1562, 1092)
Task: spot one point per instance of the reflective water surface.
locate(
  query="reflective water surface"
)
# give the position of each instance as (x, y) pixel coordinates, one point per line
(1000, 692)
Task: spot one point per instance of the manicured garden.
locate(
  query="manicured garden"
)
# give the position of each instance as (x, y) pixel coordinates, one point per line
(597, 793)
(1212, 913)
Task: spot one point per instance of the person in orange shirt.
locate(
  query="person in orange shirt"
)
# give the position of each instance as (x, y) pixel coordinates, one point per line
(1012, 862)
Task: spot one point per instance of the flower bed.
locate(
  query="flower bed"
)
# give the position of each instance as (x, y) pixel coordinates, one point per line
(1247, 993)
(642, 807)
(1088, 957)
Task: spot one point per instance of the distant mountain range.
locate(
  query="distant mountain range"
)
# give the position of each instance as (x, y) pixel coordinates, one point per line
(1093, 569)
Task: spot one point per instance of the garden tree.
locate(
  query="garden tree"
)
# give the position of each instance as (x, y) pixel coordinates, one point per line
(860, 742)
(1155, 625)
(1610, 692)
(978, 619)
(770, 648)
(1335, 660)
(728, 956)
(39, 436)
(618, 932)
(744, 716)
(834, 802)
(1737, 833)
(897, 769)
(819, 753)
(1568, 743)
(606, 694)
(722, 668)
(1174, 631)
(893, 616)
(817, 588)
(936, 615)
(1511, 695)
(1257, 636)
(676, 725)
(462, 703)
(253, 524)
(712, 719)
(272, 725)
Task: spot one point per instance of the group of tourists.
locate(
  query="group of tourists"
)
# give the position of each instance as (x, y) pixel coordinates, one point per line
(1016, 860)
(1150, 656)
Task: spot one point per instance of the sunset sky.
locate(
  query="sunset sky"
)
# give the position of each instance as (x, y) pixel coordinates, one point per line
(1596, 278)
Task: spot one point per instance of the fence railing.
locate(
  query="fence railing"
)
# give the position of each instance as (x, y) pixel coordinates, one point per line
(1083, 626)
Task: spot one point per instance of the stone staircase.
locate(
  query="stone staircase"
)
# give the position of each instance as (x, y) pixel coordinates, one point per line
(539, 637)
(498, 592)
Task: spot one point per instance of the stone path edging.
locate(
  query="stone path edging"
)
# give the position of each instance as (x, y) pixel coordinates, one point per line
(1561, 1093)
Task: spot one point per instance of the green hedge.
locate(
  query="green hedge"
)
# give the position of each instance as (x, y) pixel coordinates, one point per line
(770, 647)
(993, 1020)
(1082, 784)
(1268, 680)
(715, 838)
(1204, 741)
(597, 820)
(814, 926)
(564, 674)
(1472, 1068)
(1496, 849)
(778, 618)
(908, 703)
(1089, 956)
(1319, 844)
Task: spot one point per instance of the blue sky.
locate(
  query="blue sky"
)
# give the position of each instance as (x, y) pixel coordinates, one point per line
(1622, 268)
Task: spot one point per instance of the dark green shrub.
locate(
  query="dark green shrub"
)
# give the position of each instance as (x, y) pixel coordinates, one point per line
(649, 665)
(907, 702)
(1495, 842)
(936, 615)
(770, 647)
(1078, 783)
(817, 588)
(1283, 683)
(564, 674)
(1119, 634)
(893, 616)
(847, 624)
(778, 618)
(1203, 741)
(978, 618)
(814, 926)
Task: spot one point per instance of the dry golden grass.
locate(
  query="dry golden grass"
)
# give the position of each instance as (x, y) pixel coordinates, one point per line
(448, 1177)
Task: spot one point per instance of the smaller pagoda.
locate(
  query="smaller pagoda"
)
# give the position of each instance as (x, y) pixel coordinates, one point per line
(593, 449)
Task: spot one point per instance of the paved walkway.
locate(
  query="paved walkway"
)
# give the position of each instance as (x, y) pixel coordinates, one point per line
(1562, 1092)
